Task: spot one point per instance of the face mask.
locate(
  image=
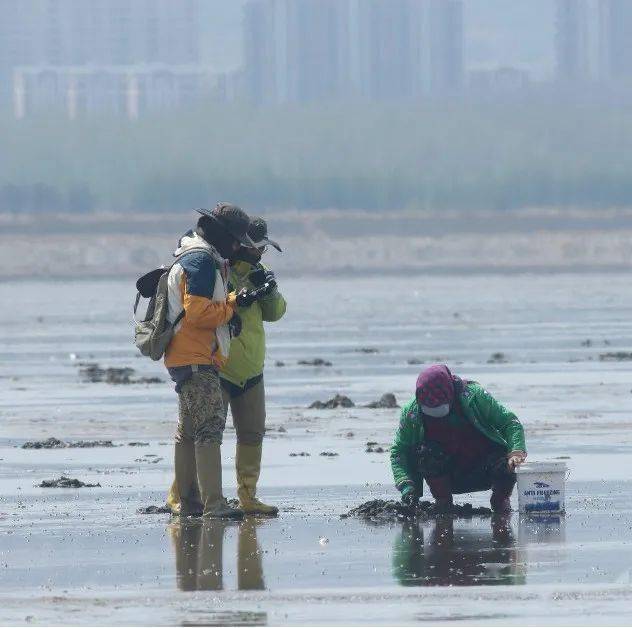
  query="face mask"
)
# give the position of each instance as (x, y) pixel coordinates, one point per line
(252, 256)
(437, 412)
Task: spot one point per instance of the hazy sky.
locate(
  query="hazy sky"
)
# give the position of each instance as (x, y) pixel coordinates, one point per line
(498, 32)
(510, 32)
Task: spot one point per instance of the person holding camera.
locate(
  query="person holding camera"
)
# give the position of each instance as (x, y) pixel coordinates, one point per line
(241, 377)
(204, 313)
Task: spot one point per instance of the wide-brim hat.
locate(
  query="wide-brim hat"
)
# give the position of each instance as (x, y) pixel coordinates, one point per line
(233, 218)
(258, 232)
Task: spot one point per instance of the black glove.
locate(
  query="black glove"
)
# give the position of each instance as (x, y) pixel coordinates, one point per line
(234, 325)
(262, 277)
(258, 276)
(270, 283)
(245, 297)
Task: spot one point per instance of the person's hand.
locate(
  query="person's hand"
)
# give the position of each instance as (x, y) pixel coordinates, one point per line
(409, 496)
(245, 297)
(515, 459)
(258, 276)
(235, 325)
(270, 283)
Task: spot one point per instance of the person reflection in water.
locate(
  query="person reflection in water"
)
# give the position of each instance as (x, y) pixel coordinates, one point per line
(470, 557)
(199, 555)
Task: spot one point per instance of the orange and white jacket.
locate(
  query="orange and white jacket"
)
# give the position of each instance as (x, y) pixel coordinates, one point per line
(197, 282)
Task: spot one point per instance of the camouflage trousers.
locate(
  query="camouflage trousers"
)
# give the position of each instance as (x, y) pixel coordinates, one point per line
(202, 416)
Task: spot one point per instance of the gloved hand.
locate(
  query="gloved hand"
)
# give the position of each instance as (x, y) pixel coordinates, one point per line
(245, 297)
(258, 276)
(270, 283)
(261, 277)
(409, 496)
(515, 459)
(234, 325)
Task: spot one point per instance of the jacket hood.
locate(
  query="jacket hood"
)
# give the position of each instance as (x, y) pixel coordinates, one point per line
(191, 240)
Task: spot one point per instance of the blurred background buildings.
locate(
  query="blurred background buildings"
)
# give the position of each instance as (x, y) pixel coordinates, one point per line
(129, 57)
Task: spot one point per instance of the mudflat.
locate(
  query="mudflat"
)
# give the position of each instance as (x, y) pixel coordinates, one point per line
(540, 343)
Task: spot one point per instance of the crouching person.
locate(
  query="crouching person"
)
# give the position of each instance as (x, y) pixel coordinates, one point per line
(454, 435)
(203, 310)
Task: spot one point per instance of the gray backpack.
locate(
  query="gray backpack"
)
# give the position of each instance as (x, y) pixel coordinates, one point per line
(153, 333)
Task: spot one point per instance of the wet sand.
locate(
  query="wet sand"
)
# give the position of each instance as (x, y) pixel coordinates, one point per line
(77, 556)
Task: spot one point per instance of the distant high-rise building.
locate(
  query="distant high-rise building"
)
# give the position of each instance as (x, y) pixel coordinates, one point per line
(392, 43)
(317, 49)
(296, 50)
(571, 40)
(96, 32)
(260, 63)
(313, 50)
(616, 38)
(446, 44)
(410, 48)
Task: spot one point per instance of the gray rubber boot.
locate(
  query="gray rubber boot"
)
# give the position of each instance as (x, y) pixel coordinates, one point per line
(186, 480)
(209, 476)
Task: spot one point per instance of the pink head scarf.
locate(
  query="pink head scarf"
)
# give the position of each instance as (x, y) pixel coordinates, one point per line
(436, 386)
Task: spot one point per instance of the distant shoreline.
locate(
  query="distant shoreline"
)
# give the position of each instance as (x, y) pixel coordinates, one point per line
(333, 222)
(360, 274)
(332, 243)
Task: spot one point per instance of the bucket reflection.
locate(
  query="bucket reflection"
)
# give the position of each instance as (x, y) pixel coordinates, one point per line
(542, 528)
(542, 543)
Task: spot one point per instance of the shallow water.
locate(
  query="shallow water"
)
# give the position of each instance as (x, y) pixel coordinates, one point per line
(85, 556)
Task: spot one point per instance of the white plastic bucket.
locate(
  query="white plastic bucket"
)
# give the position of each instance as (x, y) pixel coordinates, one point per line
(541, 487)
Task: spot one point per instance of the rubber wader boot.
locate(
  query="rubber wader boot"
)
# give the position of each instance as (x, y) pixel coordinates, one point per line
(209, 476)
(186, 480)
(248, 464)
(441, 489)
(501, 492)
(173, 500)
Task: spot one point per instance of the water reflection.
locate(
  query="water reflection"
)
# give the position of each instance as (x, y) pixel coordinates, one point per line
(451, 553)
(536, 529)
(199, 549)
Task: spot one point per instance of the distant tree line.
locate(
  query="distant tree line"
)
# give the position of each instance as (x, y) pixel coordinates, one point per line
(42, 197)
(380, 158)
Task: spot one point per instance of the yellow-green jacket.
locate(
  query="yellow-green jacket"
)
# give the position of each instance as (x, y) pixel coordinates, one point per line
(247, 352)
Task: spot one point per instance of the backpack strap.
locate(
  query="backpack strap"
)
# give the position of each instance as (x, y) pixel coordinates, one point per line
(179, 317)
(147, 284)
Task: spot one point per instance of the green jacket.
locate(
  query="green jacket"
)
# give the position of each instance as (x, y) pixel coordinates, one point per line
(486, 414)
(247, 352)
